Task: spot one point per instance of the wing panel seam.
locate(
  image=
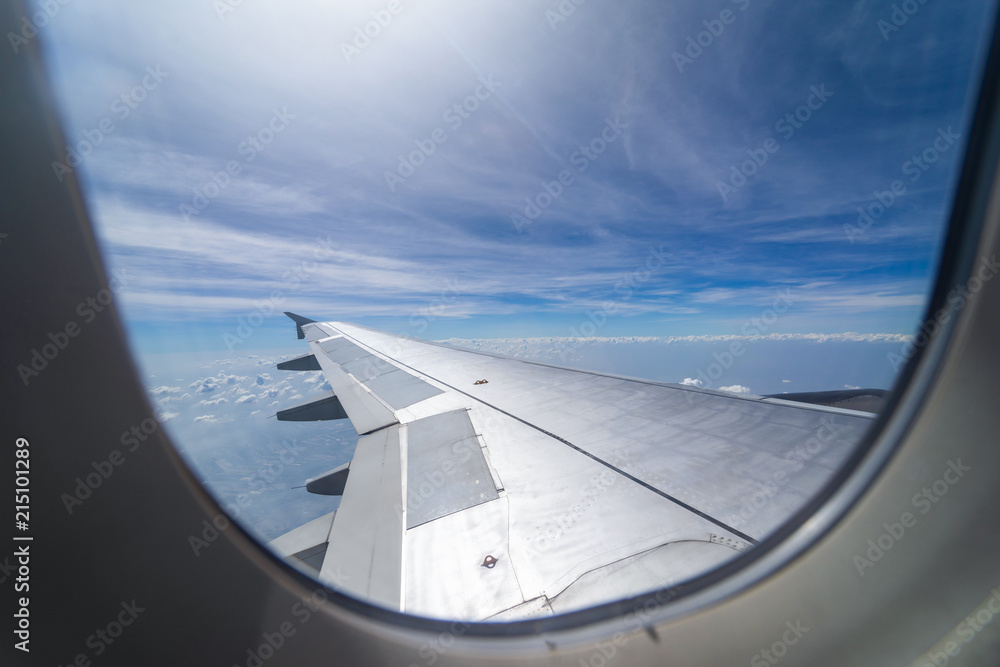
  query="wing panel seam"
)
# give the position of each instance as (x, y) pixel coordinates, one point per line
(596, 458)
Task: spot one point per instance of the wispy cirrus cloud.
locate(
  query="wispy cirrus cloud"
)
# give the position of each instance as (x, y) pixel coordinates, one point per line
(553, 93)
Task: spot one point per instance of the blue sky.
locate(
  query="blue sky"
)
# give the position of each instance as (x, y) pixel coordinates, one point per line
(308, 213)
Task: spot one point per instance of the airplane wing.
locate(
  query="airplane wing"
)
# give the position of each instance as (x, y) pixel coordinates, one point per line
(490, 488)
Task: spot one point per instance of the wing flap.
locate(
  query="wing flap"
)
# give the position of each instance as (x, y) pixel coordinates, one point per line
(366, 541)
(366, 412)
(446, 471)
(330, 483)
(305, 362)
(401, 389)
(324, 408)
(307, 544)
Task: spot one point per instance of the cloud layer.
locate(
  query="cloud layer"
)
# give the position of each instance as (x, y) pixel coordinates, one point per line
(256, 162)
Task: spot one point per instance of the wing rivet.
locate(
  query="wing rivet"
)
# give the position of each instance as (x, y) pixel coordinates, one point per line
(489, 562)
(481, 382)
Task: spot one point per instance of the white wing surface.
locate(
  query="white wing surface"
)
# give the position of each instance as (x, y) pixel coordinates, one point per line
(485, 487)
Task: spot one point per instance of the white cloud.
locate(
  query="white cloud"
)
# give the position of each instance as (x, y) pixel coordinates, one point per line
(249, 398)
(736, 389)
(502, 344)
(215, 401)
(169, 398)
(270, 392)
(691, 382)
(211, 383)
(162, 391)
(212, 419)
(205, 386)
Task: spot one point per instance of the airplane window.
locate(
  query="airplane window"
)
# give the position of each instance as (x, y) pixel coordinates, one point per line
(583, 300)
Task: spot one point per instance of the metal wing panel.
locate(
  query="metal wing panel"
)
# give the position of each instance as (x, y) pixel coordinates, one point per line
(665, 565)
(341, 349)
(401, 389)
(368, 367)
(445, 575)
(366, 541)
(364, 410)
(561, 522)
(714, 451)
(306, 536)
(569, 514)
(446, 471)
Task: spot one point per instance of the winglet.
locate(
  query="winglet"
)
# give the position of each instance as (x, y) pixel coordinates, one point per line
(299, 321)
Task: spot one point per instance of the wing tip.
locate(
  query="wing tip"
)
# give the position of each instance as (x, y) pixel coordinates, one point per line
(299, 321)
